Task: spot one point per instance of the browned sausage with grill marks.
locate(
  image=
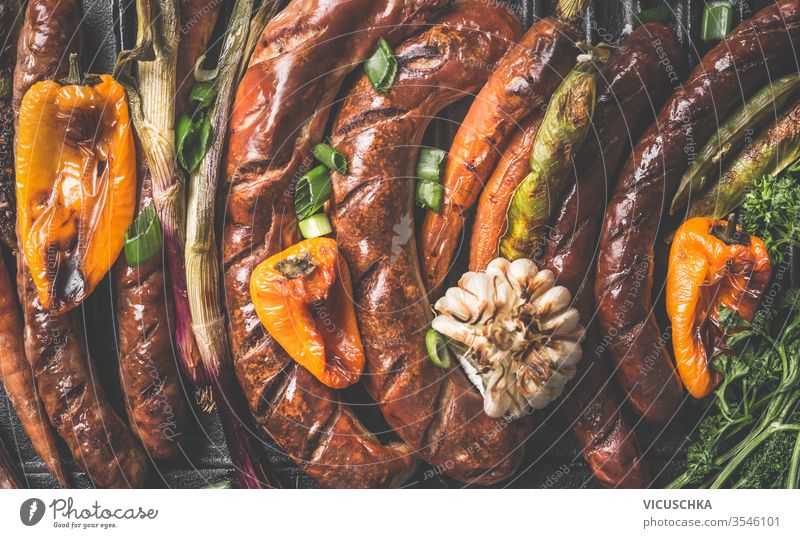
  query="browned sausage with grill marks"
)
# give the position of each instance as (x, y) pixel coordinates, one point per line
(757, 51)
(154, 399)
(633, 84)
(436, 412)
(280, 111)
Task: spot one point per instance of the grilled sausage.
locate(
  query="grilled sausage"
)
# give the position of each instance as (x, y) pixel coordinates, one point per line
(17, 378)
(436, 412)
(757, 51)
(154, 398)
(8, 41)
(198, 18)
(520, 86)
(47, 38)
(9, 477)
(634, 82)
(280, 110)
(75, 404)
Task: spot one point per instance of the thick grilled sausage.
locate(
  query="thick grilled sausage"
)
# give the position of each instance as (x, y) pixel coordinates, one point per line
(17, 378)
(49, 34)
(757, 51)
(436, 412)
(8, 45)
(198, 18)
(634, 83)
(9, 477)
(280, 110)
(520, 86)
(154, 397)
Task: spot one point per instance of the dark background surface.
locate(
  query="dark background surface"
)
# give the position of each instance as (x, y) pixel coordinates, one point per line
(553, 457)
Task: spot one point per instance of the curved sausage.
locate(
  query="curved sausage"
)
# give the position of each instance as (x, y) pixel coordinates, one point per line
(198, 18)
(436, 412)
(154, 398)
(634, 83)
(757, 51)
(17, 378)
(520, 86)
(280, 111)
(49, 34)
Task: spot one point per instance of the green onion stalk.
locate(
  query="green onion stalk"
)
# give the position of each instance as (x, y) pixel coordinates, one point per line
(152, 105)
(202, 262)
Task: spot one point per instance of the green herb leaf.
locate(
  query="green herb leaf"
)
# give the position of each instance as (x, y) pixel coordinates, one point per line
(381, 67)
(144, 237)
(192, 140)
(203, 95)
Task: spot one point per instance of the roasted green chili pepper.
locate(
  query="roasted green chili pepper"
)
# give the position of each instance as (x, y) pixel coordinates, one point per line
(731, 136)
(560, 136)
(776, 147)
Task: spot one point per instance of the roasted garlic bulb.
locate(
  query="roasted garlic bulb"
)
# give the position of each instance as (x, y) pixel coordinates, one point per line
(522, 338)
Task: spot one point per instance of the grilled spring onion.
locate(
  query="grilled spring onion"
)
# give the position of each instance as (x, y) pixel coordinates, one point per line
(430, 192)
(315, 226)
(765, 105)
(662, 14)
(202, 264)
(312, 190)
(152, 108)
(717, 20)
(192, 139)
(144, 237)
(430, 195)
(381, 67)
(332, 159)
(436, 344)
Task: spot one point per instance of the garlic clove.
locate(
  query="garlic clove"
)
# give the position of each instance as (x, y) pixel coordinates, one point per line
(564, 353)
(460, 304)
(539, 284)
(551, 301)
(562, 323)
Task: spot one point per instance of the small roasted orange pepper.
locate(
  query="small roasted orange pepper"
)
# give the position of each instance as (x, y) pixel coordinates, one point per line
(303, 296)
(712, 264)
(76, 184)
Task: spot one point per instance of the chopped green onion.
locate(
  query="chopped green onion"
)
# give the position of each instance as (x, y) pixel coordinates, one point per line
(717, 20)
(311, 192)
(437, 349)
(191, 140)
(430, 194)
(381, 67)
(327, 155)
(662, 14)
(144, 237)
(315, 226)
(203, 94)
(429, 164)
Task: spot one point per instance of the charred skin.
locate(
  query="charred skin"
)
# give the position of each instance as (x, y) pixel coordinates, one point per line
(198, 18)
(17, 379)
(633, 85)
(434, 411)
(77, 408)
(757, 51)
(154, 399)
(299, 64)
(519, 87)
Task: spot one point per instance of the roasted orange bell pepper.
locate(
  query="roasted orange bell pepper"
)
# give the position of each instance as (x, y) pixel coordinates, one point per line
(303, 296)
(712, 264)
(76, 184)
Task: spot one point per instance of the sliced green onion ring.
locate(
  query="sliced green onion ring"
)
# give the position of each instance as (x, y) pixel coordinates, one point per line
(430, 164)
(327, 155)
(662, 14)
(437, 349)
(313, 189)
(315, 226)
(381, 67)
(144, 237)
(430, 194)
(717, 20)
